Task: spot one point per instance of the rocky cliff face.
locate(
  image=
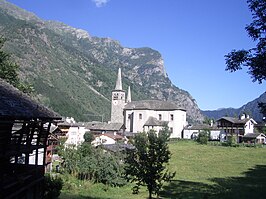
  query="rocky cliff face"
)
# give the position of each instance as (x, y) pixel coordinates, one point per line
(74, 72)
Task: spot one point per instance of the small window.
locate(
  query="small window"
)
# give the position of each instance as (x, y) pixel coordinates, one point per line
(115, 96)
(140, 116)
(171, 129)
(129, 116)
(172, 117)
(160, 116)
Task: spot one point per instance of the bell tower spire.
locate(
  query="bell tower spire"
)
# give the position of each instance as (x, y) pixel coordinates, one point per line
(118, 101)
(118, 85)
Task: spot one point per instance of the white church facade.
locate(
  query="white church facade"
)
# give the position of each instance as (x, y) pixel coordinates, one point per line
(143, 115)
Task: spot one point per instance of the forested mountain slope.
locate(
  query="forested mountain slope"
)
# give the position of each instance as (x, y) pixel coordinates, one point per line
(74, 73)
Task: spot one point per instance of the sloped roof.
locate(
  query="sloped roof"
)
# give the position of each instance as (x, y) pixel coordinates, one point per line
(152, 121)
(14, 104)
(152, 105)
(201, 127)
(253, 135)
(234, 120)
(104, 126)
(113, 136)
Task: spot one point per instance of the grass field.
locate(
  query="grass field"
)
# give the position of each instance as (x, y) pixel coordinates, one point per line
(202, 171)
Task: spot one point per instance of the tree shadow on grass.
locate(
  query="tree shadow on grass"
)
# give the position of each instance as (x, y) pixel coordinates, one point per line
(77, 196)
(251, 185)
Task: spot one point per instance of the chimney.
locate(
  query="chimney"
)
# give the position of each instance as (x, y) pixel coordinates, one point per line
(243, 116)
(211, 123)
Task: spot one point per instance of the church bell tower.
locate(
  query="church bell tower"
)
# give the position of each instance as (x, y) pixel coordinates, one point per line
(118, 101)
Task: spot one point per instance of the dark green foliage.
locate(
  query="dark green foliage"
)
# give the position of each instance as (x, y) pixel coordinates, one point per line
(88, 163)
(9, 70)
(203, 136)
(231, 140)
(52, 186)
(88, 137)
(254, 58)
(146, 164)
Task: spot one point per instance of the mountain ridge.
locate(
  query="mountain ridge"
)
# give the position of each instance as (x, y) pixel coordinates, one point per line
(251, 108)
(74, 72)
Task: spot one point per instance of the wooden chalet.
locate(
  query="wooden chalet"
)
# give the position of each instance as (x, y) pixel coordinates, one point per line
(236, 126)
(24, 128)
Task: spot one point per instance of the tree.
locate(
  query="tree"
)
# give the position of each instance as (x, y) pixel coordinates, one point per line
(9, 70)
(146, 164)
(203, 136)
(254, 58)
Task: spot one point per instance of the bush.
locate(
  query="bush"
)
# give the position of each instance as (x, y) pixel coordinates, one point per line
(52, 186)
(203, 137)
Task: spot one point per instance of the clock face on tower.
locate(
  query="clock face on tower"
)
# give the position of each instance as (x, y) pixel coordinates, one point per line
(115, 102)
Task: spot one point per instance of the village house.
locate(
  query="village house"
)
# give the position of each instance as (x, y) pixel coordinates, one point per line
(75, 134)
(192, 131)
(24, 128)
(238, 127)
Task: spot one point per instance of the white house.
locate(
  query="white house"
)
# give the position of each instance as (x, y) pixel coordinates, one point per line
(192, 131)
(107, 139)
(236, 126)
(75, 135)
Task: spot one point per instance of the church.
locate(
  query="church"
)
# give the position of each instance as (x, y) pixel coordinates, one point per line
(143, 115)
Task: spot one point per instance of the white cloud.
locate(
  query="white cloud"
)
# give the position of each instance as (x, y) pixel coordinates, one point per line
(100, 3)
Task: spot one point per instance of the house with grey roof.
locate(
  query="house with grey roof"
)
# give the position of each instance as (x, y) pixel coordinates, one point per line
(192, 131)
(24, 129)
(256, 138)
(237, 127)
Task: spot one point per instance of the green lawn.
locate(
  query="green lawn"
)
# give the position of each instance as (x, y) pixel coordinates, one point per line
(202, 171)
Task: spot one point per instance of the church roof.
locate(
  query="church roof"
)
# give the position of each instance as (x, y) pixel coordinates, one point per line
(14, 104)
(152, 105)
(152, 121)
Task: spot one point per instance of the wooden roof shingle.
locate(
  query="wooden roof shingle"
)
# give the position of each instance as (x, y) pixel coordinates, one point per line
(15, 104)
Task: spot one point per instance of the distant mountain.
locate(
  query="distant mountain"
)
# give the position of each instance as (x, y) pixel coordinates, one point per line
(250, 108)
(74, 73)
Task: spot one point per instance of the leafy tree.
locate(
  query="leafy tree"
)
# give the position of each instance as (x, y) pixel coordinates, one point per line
(146, 164)
(88, 137)
(52, 186)
(9, 70)
(254, 58)
(203, 136)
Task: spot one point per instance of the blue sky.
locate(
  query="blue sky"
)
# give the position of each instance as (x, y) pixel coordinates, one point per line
(193, 36)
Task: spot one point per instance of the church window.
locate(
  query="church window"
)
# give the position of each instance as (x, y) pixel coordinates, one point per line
(140, 116)
(172, 117)
(115, 96)
(160, 116)
(171, 129)
(128, 116)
